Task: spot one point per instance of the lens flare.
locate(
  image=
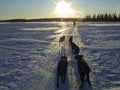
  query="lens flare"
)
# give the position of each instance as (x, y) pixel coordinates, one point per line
(64, 9)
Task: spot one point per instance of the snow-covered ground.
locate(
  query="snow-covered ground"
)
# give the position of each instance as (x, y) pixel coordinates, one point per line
(29, 53)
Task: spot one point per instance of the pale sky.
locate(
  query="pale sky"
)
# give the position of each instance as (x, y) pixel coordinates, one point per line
(28, 9)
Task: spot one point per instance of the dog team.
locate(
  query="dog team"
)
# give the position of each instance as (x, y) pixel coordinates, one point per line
(83, 68)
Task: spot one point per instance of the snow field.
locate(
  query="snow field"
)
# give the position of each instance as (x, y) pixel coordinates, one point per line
(29, 53)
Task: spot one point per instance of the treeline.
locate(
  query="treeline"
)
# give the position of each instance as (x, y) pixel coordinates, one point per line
(42, 20)
(103, 17)
(107, 17)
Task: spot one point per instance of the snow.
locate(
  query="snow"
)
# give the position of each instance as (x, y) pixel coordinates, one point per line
(29, 53)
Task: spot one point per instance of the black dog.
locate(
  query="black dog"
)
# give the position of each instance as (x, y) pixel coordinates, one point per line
(62, 70)
(75, 48)
(83, 69)
(62, 39)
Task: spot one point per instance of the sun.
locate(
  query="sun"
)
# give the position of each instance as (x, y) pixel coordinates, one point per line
(63, 9)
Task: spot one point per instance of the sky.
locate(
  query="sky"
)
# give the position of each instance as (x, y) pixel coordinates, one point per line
(28, 9)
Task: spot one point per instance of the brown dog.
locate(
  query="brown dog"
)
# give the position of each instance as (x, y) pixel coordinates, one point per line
(75, 48)
(62, 39)
(83, 69)
(62, 70)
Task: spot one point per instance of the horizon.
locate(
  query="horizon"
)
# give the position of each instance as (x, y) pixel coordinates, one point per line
(37, 9)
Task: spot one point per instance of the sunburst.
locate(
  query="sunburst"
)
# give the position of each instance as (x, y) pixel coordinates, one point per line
(63, 9)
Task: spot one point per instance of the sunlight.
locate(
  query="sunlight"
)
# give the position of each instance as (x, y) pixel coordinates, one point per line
(63, 9)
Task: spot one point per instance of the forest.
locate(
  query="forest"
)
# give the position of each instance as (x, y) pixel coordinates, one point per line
(103, 17)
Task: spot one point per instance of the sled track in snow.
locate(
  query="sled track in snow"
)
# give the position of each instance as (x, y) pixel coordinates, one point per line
(73, 76)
